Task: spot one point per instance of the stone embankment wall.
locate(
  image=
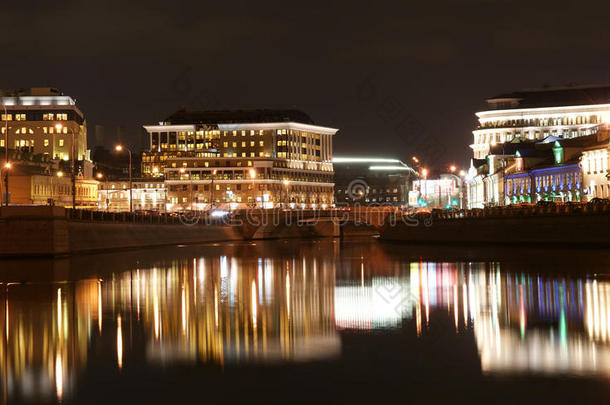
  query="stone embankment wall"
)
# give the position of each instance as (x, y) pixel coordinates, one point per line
(55, 231)
(579, 229)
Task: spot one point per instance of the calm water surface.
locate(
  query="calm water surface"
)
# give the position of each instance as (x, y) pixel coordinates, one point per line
(307, 321)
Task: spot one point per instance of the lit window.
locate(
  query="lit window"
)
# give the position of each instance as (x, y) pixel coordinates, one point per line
(7, 117)
(61, 142)
(243, 144)
(261, 143)
(20, 117)
(46, 142)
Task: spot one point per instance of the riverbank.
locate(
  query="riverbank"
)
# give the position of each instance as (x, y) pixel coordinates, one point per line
(582, 229)
(38, 231)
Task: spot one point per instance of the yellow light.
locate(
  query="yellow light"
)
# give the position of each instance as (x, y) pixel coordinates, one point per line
(58, 127)
(8, 165)
(462, 173)
(452, 168)
(285, 182)
(155, 169)
(252, 173)
(424, 172)
(119, 341)
(118, 148)
(182, 170)
(415, 159)
(99, 175)
(214, 172)
(60, 174)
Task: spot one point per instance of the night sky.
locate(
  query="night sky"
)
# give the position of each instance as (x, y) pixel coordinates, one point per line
(397, 78)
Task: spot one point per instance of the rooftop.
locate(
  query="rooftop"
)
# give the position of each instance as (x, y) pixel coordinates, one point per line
(551, 97)
(183, 116)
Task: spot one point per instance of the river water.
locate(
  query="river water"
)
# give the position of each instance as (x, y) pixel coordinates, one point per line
(307, 321)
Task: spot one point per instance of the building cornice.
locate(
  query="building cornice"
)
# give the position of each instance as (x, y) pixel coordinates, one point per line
(248, 126)
(522, 113)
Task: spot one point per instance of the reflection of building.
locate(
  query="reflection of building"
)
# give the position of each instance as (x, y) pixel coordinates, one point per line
(537, 114)
(224, 310)
(45, 340)
(370, 181)
(380, 302)
(241, 158)
(148, 195)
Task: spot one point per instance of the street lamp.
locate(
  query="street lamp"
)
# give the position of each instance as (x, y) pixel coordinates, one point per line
(119, 148)
(7, 164)
(452, 168)
(6, 167)
(253, 176)
(285, 183)
(59, 127)
(212, 189)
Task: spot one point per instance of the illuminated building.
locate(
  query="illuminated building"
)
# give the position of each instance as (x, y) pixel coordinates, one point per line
(444, 192)
(522, 171)
(33, 117)
(596, 180)
(148, 195)
(261, 158)
(369, 181)
(537, 114)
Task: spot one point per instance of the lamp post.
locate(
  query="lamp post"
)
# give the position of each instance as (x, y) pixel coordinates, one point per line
(7, 164)
(424, 173)
(100, 176)
(459, 183)
(285, 183)
(59, 127)
(119, 148)
(253, 176)
(6, 167)
(212, 189)
(59, 174)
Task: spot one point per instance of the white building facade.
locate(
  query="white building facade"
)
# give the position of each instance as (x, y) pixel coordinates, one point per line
(537, 114)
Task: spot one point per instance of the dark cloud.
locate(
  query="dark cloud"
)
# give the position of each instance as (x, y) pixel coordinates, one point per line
(432, 63)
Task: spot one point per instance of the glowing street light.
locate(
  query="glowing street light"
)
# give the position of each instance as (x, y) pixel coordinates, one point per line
(253, 176)
(5, 151)
(99, 175)
(59, 127)
(6, 167)
(285, 182)
(462, 173)
(60, 174)
(452, 168)
(119, 148)
(424, 172)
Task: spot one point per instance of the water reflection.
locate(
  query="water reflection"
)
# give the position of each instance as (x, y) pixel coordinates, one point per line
(225, 309)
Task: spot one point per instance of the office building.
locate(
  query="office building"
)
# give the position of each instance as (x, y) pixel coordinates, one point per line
(243, 158)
